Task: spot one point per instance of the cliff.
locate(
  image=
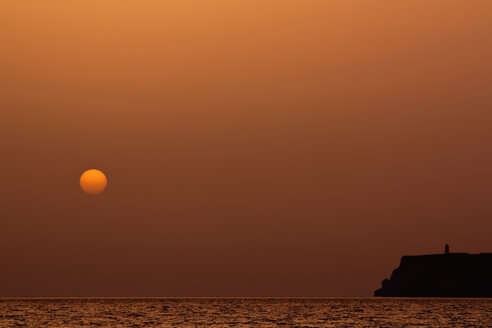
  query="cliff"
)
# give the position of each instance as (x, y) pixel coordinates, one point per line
(440, 275)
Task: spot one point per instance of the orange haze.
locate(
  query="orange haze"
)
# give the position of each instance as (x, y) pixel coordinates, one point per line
(254, 147)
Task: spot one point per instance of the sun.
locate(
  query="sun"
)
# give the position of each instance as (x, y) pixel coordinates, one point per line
(93, 182)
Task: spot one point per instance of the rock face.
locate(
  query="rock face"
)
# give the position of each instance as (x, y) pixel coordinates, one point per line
(440, 275)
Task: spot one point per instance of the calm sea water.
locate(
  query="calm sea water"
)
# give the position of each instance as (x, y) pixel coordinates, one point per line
(246, 312)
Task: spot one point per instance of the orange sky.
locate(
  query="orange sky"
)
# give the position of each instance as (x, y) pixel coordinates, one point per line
(268, 148)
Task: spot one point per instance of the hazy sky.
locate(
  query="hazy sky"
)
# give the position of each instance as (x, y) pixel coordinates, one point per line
(252, 148)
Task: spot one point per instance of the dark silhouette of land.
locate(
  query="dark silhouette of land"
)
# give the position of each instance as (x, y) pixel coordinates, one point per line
(440, 275)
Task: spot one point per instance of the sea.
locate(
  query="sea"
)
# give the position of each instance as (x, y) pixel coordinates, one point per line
(245, 312)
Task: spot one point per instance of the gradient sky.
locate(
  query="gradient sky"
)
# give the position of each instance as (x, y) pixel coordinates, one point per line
(252, 148)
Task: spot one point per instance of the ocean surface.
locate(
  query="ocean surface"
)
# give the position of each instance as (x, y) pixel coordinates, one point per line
(245, 312)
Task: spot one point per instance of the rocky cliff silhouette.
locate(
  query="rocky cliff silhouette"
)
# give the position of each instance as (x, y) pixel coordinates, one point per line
(440, 275)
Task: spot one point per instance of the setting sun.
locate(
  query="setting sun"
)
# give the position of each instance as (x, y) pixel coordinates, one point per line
(93, 182)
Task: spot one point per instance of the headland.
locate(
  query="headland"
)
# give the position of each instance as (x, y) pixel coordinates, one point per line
(440, 275)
